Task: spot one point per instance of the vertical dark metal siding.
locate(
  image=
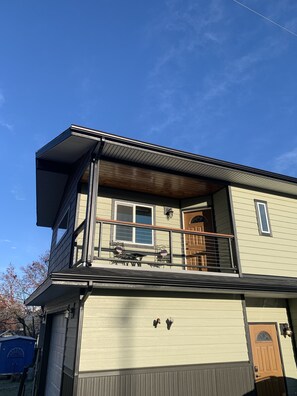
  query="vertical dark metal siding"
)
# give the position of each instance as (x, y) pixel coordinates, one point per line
(232, 379)
(61, 253)
(67, 385)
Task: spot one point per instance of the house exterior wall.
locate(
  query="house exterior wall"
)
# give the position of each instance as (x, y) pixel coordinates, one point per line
(106, 208)
(228, 379)
(266, 255)
(61, 251)
(222, 212)
(107, 199)
(55, 307)
(118, 331)
(266, 310)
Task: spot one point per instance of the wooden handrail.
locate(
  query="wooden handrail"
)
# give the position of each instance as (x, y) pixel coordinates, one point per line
(160, 228)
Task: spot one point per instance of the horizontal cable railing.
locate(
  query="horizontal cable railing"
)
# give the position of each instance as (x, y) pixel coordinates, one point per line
(157, 247)
(169, 247)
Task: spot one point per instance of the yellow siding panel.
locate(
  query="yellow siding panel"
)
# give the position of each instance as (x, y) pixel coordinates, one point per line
(222, 215)
(161, 238)
(118, 332)
(275, 255)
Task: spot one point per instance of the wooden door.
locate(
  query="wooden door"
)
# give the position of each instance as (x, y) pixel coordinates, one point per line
(197, 245)
(267, 361)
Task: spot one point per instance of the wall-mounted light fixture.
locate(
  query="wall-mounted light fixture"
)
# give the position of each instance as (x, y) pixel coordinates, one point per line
(168, 212)
(285, 330)
(69, 313)
(169, 322)
(156, 322)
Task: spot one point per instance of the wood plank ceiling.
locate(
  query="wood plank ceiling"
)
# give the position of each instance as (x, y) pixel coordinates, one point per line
(133, 178)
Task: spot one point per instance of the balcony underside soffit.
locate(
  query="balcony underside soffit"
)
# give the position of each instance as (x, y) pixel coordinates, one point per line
(149, 181)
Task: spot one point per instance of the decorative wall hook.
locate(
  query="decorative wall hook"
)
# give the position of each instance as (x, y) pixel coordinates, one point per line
(169, 322)
(156, 322)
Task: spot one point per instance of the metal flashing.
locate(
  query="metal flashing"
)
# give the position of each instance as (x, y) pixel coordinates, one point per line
(163, 281)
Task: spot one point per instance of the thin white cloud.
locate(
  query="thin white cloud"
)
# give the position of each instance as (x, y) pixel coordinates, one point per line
(6, 125)
(5, 241)
(2, 98)
(194, 25)
(18, 193)
(200, 32)
(3, 123)
(287, 163)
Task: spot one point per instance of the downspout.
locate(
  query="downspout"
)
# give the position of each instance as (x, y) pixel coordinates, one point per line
(90, 224)
(82, 301)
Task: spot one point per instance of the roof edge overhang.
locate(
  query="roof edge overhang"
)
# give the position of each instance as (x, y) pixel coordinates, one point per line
(97, 135)
(139, 280)
(55, 160)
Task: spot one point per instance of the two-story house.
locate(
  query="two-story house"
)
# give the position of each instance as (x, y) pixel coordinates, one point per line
(170, 274)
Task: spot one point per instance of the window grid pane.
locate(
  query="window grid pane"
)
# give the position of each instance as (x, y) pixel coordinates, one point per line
(141, 214)
(124, 233)
(263, 218)
(124, 213)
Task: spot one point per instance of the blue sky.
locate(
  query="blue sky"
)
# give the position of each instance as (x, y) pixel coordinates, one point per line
(206, 76)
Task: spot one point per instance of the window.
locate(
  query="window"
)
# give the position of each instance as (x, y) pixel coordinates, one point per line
(133, 213)
(62, 227)
(263, 336)
(262, 217)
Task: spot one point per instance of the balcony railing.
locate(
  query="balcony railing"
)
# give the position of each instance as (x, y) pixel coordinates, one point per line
(171, 248)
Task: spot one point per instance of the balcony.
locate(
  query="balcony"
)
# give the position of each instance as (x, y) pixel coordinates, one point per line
(171, 249)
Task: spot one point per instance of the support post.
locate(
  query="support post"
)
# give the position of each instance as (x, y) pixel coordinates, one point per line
(90, 223)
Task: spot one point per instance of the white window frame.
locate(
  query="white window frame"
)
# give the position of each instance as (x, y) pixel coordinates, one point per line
(262, 231)
(133, 205)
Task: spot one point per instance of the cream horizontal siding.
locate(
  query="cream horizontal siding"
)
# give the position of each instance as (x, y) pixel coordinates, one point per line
(118, 332)
(275, 255)
(223, 224)
(222, 212)
(161, 237)
(105, 210)
(261, 310)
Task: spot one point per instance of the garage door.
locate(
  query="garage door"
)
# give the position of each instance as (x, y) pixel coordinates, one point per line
(56, 356)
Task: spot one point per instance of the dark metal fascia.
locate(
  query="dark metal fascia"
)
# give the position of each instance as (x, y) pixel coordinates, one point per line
(57, 140)
(41, 289)
(86, 132)
(230, 284)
